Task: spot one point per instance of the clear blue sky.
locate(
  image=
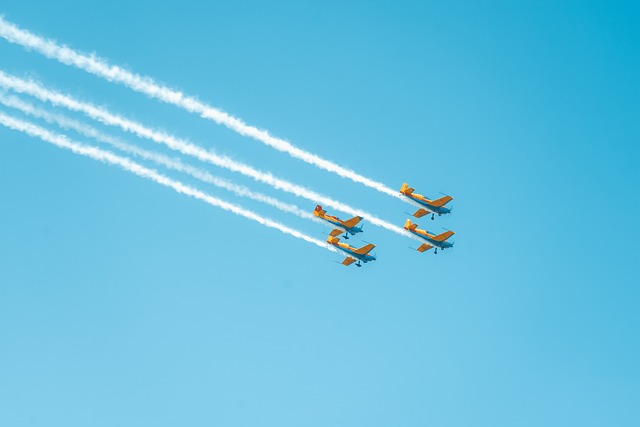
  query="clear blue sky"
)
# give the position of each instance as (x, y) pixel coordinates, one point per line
(124, 303)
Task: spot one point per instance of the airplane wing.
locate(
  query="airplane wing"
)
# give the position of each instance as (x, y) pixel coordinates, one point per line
(424, 247)
(348, 261)
(365, 249)
(441, 201)
(350, 223)
(336, 232)
(444, 236)
(420, 213)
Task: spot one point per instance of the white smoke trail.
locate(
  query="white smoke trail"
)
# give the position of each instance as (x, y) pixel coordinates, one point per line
(32, 88)
(146, 85)
(175, 164)
(127, 164)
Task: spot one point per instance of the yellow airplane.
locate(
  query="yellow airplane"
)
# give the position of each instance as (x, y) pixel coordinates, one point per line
(348, 226)
(438, 241)
(430, 206)
(359, 254)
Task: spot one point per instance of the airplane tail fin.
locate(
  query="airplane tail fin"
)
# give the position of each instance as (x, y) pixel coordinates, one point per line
(365, 249)
(319, 211)
(409, 225)
(406, 190)
(353, 221)
(441, 201)
(444, 236)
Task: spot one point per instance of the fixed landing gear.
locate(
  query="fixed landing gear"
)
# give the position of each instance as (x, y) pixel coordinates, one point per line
(358, 264)
(346, 236)
(433, 216)
(435, 252)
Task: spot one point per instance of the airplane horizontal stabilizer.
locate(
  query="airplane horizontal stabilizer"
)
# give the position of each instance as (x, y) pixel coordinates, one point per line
(408, 225)
(424, 247)
(319, 211)
(406, 190)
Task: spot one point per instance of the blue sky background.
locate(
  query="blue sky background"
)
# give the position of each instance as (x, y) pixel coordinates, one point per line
(124, 303)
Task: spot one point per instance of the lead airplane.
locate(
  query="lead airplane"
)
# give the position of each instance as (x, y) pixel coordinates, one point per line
(354, 254)
(348, 226)
(430, 206)
(439, 241)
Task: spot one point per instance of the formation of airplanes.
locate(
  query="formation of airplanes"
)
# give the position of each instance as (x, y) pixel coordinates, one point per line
(362, 255)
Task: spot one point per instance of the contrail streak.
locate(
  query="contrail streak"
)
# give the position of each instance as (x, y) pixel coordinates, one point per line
(32, 88)
(146, 85)
(128, 165)
(175, 164)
